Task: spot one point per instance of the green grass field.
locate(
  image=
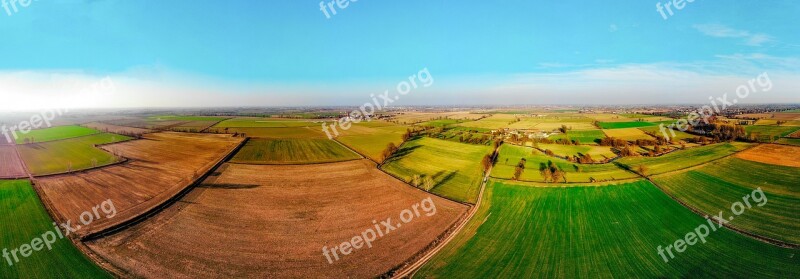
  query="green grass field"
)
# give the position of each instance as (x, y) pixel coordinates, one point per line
(443, 122)
(584, 136)
(684, 158)
(597, 152)
(771, 131)
(292, 151)
(371, 138)
(597, 232)
(789, 141)
(493, 122)
(54, 157)
(455, 167)
(510, 155)
(55, 133)
(678, 134)
(312, 132)
(23, 219)
(185, 118)
(621, 125)
(714, 187)
(251, 122)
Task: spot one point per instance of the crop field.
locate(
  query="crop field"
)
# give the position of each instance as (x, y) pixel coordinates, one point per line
(716, 186)
(597, 152)
(122, 130)
(161, 165)
(273, 221)
(786, 116)
(252, 122)
(623, 125)
(54, 133)
(789, 141)
(583, 136)
(292, 151)
(678, 135)
(23, 219)
(419, 117)
(597, 232)
(773, 154)
(551, 123)
(371, 138)
(510, 155)
(771, 131)
(629, 134)
(493, 122)
(683, 159)
(69, 155)
(609, 117)
(276, 133)
(454, 167)
(443, 122)
(10, 163)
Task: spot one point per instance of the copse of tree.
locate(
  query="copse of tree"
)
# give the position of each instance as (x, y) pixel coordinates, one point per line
(519, 169)
(389, 151)
(552, 173)
(487, 162)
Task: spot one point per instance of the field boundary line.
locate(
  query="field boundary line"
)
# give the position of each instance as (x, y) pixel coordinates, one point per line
(412, 269)
(154, 210)
(212, 125)
(356, 151)
(700, 213)
(568, 184)
(703, 164)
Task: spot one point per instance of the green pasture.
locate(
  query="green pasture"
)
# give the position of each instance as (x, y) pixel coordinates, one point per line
(54, 133)
(55, 157)
(682, 159)
(510, 156)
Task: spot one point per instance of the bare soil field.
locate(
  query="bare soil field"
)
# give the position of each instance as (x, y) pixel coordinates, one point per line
(265, 221)
(161, 165)
(774, 154)
(122, 130)
(10, 163)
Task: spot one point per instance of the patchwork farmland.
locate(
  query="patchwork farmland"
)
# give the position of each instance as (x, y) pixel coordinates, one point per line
(254, 197)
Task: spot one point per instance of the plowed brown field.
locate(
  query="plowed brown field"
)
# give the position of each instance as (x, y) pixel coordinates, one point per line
(266, 221)
(10, 163)
(774, 154)
(161, 165)
(122, 130)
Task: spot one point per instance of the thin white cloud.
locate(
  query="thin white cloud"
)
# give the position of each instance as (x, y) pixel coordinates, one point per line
(722, 31)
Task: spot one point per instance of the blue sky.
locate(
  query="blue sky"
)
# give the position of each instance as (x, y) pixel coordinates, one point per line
(288, 52)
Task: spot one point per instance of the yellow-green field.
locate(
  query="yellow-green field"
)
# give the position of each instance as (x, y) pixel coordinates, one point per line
(69, 154)
(454, 167)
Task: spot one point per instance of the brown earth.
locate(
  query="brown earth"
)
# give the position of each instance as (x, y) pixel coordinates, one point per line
(10, 163)
(774, 154)
(256, 221)
(161, 165)
(122, 130)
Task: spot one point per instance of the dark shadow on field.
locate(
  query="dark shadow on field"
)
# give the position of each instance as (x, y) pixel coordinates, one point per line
(228, 186)
(33, 146)
(401, 153)
(449, 176)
